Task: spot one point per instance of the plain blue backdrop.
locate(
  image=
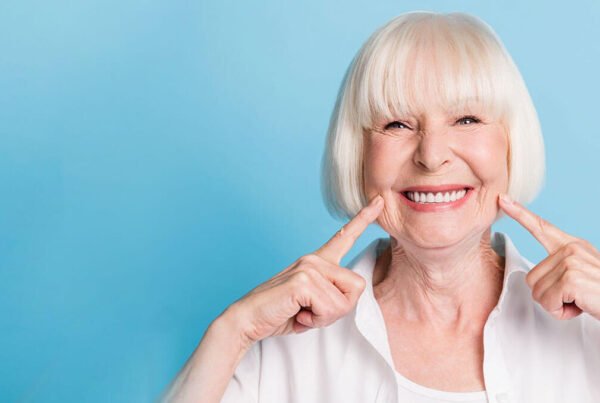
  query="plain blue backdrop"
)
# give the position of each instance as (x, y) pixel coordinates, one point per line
(158, 159)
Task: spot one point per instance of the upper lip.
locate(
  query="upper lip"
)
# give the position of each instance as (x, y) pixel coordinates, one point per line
(436, 188)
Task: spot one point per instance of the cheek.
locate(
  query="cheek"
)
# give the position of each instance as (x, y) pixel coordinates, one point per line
(488, 159)
(382, 162)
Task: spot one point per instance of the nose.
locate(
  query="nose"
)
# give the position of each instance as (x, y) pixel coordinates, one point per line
(433, 151)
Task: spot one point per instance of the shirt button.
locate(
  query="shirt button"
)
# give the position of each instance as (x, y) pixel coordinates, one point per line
(502, 398)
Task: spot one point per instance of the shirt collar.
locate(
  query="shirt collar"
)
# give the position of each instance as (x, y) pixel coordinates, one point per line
(514, 263)
(368, 316)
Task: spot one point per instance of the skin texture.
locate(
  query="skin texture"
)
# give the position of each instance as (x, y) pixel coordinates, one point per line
(312, 292)
(439, 262)
(438, 281)
(567, 282)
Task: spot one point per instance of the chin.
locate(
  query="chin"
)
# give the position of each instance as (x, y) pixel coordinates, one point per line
(436, 235)
(434, 239)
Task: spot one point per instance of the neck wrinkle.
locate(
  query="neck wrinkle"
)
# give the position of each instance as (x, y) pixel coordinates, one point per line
(438, 288)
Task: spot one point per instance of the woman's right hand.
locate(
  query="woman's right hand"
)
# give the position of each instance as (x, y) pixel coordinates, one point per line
(314, 291)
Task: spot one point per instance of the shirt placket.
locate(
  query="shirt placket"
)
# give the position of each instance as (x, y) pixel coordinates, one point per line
(495, 372)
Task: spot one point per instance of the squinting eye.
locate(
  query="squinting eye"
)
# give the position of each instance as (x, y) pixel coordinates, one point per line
(472, 118)
(396, 125)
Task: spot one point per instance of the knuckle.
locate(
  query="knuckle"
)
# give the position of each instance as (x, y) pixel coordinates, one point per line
(302, 278)
(309, 260)
(572, 248)
(340, 233)
(331, 312)
(570, 262)
(360, 283)
(542, 223)
(529, 279)
(347, 306)
(312, 272)
(535, 293)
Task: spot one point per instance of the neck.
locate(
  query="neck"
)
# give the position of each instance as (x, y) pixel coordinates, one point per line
(452, 288)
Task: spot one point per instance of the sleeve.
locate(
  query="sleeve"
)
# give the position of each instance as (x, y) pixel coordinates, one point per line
(243, 386)
(591, 336)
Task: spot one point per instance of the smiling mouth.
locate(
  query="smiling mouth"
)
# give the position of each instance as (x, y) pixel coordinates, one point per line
(448, 196)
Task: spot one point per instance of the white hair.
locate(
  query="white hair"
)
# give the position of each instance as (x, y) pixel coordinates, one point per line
(465, 61)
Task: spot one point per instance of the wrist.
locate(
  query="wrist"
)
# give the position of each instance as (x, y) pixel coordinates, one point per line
(232, 324)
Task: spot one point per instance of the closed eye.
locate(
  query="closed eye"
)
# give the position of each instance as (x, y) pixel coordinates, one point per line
(396, 125)
(469, 118)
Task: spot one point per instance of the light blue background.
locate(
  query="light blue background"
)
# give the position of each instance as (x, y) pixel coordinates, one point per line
(158, 159)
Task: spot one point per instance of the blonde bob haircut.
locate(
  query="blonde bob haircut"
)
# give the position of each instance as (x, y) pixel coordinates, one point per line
(455, 57)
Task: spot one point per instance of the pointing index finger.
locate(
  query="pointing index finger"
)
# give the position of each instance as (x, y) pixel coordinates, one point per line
(341, 243)
(549, 235)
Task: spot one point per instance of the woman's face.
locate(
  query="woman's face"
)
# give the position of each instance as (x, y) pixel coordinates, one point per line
(434, 153)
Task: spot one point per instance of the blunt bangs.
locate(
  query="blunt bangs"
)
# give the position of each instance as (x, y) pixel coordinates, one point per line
(444, 61)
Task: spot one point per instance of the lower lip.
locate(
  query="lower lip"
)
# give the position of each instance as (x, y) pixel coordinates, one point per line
(433, 207)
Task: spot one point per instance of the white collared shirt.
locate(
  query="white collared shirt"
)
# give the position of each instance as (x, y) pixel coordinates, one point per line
(529, 356)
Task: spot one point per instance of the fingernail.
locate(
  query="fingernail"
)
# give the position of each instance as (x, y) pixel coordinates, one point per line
(506, 198)
(378, 200)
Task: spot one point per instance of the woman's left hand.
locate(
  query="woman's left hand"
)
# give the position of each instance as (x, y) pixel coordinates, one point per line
(567, 282)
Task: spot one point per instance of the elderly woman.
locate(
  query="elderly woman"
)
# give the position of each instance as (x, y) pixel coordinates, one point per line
(433, 136)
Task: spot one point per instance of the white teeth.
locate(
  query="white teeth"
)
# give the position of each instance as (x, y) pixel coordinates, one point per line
(439, 197)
